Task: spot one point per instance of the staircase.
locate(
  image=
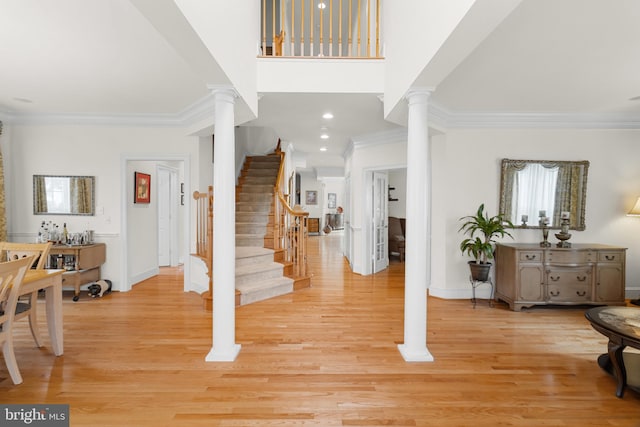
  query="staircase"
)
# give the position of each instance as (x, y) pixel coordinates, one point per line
(258, 275)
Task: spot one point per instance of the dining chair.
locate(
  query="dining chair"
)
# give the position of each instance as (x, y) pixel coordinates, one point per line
(11, 275)
(10, 251)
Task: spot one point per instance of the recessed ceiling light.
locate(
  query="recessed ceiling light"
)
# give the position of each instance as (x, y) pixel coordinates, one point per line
(327, 116)
(321, 5)
(324, 136)
(323, 148)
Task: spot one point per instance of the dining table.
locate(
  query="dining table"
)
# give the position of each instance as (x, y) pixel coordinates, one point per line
(51, 282)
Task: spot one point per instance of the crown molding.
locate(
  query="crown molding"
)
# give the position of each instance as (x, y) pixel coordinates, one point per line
(199, 110)
(544, 120)
(380, 138)
(385, 137)
(440, 118)
(448, 119)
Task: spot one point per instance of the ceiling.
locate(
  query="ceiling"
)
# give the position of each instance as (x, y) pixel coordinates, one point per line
(102, 57)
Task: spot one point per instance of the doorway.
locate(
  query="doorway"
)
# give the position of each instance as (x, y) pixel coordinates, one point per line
(139, 231)
(167, 216)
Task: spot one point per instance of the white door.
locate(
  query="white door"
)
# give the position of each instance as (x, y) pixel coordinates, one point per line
(380, 237)
(347, 221)
(167, 215)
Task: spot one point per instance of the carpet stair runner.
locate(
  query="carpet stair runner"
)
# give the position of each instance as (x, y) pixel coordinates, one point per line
(258, 275)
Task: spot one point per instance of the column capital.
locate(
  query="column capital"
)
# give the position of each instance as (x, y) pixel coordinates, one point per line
(419, 92)
(223, 90)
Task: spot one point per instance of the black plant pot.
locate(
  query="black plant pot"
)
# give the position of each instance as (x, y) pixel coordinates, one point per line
(479, 272)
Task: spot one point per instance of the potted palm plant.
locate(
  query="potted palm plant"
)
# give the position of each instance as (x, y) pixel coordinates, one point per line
(482, 231)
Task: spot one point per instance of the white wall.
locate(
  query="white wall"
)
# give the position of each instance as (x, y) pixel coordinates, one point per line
(398, 180)
(142, 221)
(87, 150)
(229, 33)
(335, 186)
(466, 173)
(387, 152)
(309, 182)
(411, 23)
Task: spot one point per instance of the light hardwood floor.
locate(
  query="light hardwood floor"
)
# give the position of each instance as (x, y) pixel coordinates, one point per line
(323, 356)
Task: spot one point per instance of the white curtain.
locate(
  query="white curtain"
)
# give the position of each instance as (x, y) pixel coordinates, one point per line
(534, 190)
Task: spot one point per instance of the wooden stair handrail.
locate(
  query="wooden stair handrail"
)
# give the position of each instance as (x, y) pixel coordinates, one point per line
(290, 225)
(204, 235)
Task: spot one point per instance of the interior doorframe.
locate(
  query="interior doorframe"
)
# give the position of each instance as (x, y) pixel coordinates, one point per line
(348, 234)
(367, 215)
(173, 200)
(384, 264)
(126, 284)
(367, 227)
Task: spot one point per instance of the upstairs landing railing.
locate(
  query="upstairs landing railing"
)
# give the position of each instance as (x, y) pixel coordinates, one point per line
(321, 28)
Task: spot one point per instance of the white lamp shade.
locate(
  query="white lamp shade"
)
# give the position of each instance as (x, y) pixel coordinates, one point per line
(635, 211)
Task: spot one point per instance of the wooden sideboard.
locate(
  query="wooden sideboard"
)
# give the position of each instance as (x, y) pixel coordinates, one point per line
(528, 274)
(81, 262)
(313, 225)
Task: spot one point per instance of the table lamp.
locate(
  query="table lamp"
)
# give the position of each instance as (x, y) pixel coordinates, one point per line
(635, 211)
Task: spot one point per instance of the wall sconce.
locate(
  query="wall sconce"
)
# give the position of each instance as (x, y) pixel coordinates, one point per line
(635, 210)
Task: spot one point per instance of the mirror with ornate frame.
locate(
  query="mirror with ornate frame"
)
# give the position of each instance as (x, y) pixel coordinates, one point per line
(529, 188)
(63, 195)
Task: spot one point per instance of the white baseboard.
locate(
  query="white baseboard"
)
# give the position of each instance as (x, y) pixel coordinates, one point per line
(144, 276)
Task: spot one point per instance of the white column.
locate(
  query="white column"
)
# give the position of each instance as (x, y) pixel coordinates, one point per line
(224, 226)
(417, 253)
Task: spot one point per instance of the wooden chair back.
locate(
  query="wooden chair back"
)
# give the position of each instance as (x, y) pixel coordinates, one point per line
(11, 276)
(10, 251)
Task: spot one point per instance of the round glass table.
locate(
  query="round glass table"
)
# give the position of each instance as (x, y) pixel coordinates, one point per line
(622, 326)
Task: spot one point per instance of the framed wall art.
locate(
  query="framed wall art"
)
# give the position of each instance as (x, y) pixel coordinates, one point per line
(311, 197)
(142, 188)
(331, 197)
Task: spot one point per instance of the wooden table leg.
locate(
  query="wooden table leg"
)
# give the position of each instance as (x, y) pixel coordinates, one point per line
(615, 356)
(53, 302)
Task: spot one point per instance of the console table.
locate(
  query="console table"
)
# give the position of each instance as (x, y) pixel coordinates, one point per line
(528, 274)
(622, 326)
(81, 263)
(334, 220)
(313, 225)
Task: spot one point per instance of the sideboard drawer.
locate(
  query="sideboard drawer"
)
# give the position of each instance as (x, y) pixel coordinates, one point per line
(610, 256)
(569, 276)
(569, 257)
(530, 256)
(574, 292)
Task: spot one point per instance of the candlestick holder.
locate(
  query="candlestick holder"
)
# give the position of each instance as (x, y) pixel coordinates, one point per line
(545, 236)
(564, 234)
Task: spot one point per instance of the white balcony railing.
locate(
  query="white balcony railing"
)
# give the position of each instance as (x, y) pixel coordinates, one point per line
(321, 28)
